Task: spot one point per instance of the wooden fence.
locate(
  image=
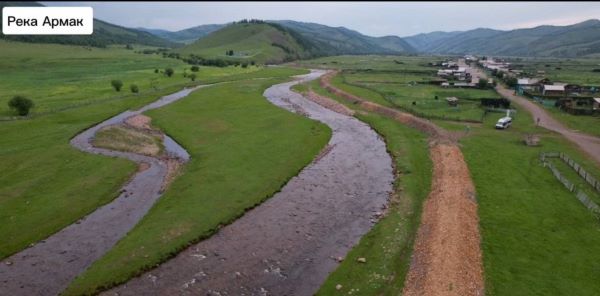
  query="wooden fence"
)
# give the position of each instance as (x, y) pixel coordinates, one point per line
(581, 196)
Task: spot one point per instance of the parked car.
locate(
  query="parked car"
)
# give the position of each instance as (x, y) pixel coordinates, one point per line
(504, 122)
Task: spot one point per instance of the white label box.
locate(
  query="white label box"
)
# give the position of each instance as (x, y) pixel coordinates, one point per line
(47, 21)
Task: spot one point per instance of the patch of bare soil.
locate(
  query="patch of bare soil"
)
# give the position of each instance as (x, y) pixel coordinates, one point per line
(447, 254)
(139, 121)
(329, 103)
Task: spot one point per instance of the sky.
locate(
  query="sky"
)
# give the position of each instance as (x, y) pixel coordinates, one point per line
(370, 18)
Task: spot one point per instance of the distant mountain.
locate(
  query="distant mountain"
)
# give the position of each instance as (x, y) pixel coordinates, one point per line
(259, 42)
(104, 34)
(185, 36)
(544, 41)
(340, 40)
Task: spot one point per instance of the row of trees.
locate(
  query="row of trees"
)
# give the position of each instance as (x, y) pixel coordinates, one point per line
(198, 60)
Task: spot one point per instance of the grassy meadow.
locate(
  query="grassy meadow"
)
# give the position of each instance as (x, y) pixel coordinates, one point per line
(57, 77)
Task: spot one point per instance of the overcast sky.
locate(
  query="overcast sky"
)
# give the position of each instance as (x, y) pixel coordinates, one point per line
(375, 19)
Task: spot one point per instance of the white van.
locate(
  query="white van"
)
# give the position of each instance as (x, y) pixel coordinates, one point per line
(504, 122)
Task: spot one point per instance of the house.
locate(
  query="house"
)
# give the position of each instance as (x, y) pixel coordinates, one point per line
(553, 90)
(527, 84)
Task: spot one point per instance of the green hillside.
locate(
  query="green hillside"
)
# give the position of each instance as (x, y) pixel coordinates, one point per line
(582, 39)
(259, 42)
(187, 35)
(104, 34)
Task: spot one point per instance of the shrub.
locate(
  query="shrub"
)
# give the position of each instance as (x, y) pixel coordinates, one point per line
(155, 70)
(245, 65)
(483, 83)
(21, 104)
(117, 84)
(134, 88)
(192, 76)
(169, 72)
(194, 68)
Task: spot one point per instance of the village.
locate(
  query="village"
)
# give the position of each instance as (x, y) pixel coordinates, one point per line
(576, 99)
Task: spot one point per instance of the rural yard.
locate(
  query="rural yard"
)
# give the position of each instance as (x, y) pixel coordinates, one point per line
(196, 152)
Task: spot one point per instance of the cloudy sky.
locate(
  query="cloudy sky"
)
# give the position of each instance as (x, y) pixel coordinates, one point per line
(371, 18)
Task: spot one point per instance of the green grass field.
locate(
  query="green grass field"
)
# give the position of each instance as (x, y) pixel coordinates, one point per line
(237, 139)
(576, 71)
(538, 239)
(60, 76)
(46, 184)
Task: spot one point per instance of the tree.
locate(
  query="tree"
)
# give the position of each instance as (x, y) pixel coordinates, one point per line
(155, 70)
(117, 84)
(21, 104)
(169, 72)
(252, 63)
(245, 65)
(134, 88)
(192, 76)
(511, 81)
(128, 46)
(194, 68)
(483, 83)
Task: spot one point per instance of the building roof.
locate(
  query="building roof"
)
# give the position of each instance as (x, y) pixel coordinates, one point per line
(554, 87)
(527, 81)
(597, 100)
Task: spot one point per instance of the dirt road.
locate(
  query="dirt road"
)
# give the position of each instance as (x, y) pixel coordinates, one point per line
(47, 267)
(446, 258)
(287, 245)
(589, 144)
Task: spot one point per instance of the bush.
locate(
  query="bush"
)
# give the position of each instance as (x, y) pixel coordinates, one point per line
(192, 76)
(483, 83)
(134, 88)
(21, 104)
(117, 84)
(194, 68)
(169, 72)
(155, 70)
(252, 63)
(245, 65)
